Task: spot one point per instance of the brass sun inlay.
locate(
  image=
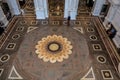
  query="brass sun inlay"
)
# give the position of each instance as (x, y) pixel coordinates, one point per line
(53, 48)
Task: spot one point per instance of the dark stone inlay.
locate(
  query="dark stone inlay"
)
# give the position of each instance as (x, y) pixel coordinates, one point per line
(20, 29)
(107, 74)
(93, 37)
(55, 22)
(0, 71)
(16, 36)
(4, 58)
(34, 22)
(11, 46)
(44, 22)
(90, 29)
(97, 47)
(88, 23)
(22, 22)
(77, 23)
(101, 59)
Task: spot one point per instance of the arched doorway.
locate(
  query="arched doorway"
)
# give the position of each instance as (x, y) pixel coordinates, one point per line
(56, 9)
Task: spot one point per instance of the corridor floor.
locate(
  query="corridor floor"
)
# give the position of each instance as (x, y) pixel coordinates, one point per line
(89, 59)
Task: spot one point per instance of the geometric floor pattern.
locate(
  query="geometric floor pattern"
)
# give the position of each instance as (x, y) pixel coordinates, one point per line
(31, 29)
(107, 74)
(90, 75)
(14, 74)
(89, 59)
(20, 48)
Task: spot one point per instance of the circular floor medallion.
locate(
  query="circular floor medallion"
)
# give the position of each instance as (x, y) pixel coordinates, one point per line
(101, 59)
(4, 58)
(53, 48)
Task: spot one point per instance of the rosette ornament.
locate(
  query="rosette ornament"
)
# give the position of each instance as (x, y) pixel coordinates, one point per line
(53, 49)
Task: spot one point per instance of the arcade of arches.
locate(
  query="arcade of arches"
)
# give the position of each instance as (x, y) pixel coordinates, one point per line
(39, 42)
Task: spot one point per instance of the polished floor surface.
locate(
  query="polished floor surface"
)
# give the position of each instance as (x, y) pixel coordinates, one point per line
(89, 59)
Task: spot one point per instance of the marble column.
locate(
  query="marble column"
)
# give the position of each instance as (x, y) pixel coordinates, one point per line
(3, 18)
(97, 7)
(41, 9)
(14, 7)
(111, 13)
(71, 7)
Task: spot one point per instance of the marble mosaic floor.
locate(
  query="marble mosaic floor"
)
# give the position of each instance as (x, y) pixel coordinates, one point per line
(89, 59)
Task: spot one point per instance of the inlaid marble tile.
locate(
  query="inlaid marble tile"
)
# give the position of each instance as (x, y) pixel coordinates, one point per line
(31, 29)
(34, 22)
(107, 74)
(20, 29)
(14, 74)
(11, 46)
(44, 22)
(90, 75)
(4, 58)
(89, 29)
(1, 71)
(15, 36)
(88, 23)
(80, 29)
(93, 37)
(77, 23)
(101, 59)
(55, 22)
(23, 22)
(96, 47)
